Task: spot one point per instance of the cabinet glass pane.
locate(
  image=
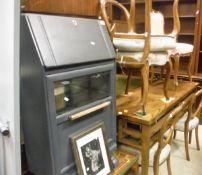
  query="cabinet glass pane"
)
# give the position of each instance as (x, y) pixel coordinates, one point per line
(76, 92)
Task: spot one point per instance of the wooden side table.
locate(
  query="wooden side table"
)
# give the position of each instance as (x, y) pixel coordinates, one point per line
(128, 163)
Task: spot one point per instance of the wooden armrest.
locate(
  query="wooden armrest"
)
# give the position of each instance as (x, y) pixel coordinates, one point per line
(130, 35)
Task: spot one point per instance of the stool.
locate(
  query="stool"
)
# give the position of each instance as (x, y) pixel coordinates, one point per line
(182, 50)
(128, 163)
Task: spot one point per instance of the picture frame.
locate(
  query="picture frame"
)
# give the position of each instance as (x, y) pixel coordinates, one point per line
(90, 151)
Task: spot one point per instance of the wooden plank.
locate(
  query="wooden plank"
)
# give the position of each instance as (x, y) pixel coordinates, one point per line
(67, 7)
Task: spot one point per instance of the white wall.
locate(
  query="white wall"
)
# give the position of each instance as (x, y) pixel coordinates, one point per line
(9, 81)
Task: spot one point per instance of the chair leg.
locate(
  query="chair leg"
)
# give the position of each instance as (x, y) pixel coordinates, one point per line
(197, 140)
(175, 134)
(186, 144)
(190, 136)
(152, 74)
(128, 81)
(189, 70)
(145, 86)
(162, 72)
(176, 68)
(156, 165)
(168, 166)
(168, 70)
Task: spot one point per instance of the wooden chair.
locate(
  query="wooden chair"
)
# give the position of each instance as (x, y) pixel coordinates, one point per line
(190, 121)
(129, 44)
(181, 49)
(161, 149)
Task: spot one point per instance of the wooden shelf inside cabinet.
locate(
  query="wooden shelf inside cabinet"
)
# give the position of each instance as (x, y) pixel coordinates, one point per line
(187, 34)
(181, 17)
(156, 1)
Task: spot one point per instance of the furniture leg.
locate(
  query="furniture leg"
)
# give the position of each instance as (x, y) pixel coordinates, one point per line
(168, 70)
(197, 140)
(145, 86)
(190, 136)
(135, 169)
(128, 81)
(152, 74)
(189, 70)
(162, 72)
(168, 166)
(121, 125)
(145, 150)
(156, 164)
(176, 68)
(186, 143)
(175, 134)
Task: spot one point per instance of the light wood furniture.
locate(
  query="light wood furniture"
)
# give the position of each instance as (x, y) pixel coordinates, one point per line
(125, 57)
(190, 121)
(190, 14)
(159, 43)
(161, 148)
(138, 131)
(128, 163)
(182, 50)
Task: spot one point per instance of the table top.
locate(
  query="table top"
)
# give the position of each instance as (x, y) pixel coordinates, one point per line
(156, 107)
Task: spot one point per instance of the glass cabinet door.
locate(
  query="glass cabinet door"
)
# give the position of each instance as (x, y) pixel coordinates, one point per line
(76, 92)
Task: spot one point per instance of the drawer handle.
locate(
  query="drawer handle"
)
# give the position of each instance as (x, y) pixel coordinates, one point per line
(88, 111)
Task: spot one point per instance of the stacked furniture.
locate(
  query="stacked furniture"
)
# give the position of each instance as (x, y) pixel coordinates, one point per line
(190, 14)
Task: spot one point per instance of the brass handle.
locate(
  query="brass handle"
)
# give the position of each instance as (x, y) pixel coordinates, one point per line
(88, 111)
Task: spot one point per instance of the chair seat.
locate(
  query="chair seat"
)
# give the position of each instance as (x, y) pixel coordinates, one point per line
(155, 58)
(158, 43)
(163, 156)
(184, 48)
(192, 123)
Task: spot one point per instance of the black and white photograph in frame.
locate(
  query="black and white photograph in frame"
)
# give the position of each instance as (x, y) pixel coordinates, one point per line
(90, 151)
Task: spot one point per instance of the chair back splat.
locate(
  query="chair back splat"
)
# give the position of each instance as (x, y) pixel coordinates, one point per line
(166, 134)
(189, 121)
(198, 107)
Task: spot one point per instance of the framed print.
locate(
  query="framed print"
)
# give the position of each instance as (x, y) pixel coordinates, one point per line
(90, 151)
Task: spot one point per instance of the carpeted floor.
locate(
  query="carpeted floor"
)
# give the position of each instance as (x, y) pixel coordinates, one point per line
(179, 164)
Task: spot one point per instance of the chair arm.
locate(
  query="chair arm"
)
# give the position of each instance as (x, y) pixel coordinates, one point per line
(105, 16)
(129, 35)
(145, 36)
